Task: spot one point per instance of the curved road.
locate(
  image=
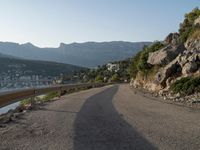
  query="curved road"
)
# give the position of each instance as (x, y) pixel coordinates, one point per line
(107, 118)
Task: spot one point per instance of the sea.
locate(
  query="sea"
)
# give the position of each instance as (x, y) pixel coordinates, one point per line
(4, 110)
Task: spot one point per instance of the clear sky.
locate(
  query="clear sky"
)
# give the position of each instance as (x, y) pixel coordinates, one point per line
(46, 23)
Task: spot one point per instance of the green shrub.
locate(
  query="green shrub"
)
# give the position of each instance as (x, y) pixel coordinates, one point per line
(50, 96)
(99, 79)
(143, 66)
(139, 62)
(25, 101)
(133, 69)
(115, 78)
(186, 86)
(188, 27)
(28, 101)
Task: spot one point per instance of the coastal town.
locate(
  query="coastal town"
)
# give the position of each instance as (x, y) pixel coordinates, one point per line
(19, 80)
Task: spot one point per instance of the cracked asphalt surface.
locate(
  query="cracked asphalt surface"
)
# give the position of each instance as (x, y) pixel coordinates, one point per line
(107, 118)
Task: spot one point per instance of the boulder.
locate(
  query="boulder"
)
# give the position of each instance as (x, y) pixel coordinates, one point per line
(165, 55)
(172, 39)
(168, 71)
(189, 68)
(195, 56)
(193, 44)
(183, 60)
(184, 64)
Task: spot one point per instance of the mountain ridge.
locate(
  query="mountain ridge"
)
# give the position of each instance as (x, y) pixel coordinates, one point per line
(87, 54)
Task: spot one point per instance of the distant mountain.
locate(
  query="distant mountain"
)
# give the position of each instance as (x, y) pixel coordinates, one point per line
(6, 56)
(11, 66)
(89, 54)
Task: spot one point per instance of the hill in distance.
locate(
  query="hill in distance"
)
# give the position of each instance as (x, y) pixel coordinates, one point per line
(89, 54)
(11, 66)
(6, 56)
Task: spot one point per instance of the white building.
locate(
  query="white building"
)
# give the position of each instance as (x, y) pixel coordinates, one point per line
(113, 67)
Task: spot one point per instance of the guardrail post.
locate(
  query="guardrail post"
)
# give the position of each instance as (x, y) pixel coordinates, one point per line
(33, 98)
(60, 92)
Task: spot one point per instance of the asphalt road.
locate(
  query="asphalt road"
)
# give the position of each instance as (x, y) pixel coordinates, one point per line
(107, 118)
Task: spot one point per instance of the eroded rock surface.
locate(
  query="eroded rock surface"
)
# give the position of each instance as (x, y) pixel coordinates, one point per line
(165, 55)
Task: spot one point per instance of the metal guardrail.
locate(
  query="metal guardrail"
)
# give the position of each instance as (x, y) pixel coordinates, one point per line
(10, 97)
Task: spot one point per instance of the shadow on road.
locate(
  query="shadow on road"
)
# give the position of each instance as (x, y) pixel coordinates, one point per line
(99, 126)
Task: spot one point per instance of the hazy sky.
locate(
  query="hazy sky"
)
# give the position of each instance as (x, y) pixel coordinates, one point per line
(49, 22)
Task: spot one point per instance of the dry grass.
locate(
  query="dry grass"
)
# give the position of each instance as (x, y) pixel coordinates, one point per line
(195, 35)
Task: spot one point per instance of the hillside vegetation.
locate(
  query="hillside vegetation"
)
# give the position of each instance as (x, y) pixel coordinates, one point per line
(187, 28)
(13, 66)
(103, 74)
(186, 86)
(139, 62)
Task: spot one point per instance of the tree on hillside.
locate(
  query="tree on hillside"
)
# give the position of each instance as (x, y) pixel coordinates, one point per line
(188, 27)
(115, 78)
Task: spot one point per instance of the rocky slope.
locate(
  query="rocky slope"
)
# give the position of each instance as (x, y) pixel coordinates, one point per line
(178, 58)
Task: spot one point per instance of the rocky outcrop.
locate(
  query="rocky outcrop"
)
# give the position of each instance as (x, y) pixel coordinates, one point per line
(172, 39)
(171, 69)
(190, 62)
(175, 61)
(146, 84)
(185, 64)
(193, 44)
(165, 55)
(172, 49)
(179, 60)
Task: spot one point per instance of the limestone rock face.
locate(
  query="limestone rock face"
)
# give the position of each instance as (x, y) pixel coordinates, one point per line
(175, 61)
(168, 71)
(183, 60)
(165, 55)
(146, 84)
(172, 39)
(179, 60)
(193, 44)
(190, 62)
(185, 64)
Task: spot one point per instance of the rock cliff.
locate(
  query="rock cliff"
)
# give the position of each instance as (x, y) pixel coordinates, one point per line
(178, 58)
